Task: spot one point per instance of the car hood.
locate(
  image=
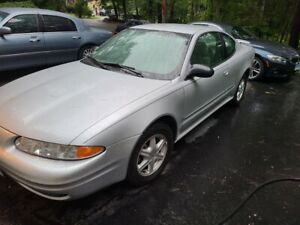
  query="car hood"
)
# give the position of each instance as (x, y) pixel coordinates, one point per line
(58, 104)
(274, 48)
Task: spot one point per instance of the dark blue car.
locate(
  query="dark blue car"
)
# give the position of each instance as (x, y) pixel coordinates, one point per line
(271, 59)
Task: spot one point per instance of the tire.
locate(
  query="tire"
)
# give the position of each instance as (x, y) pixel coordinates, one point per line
(144, 165)
(85, 51)
(257, 69)
(240, 91)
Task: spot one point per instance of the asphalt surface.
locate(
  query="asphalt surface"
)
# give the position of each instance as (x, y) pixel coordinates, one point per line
(211, 170)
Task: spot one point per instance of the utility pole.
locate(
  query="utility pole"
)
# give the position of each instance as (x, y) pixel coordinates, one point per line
(163, 10)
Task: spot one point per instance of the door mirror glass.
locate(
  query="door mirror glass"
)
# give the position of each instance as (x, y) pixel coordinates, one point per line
(200, 71)
(4, 31)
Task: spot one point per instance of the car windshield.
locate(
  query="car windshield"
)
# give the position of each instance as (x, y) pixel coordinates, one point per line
(154, 54)
(240, 33)
(3, 15)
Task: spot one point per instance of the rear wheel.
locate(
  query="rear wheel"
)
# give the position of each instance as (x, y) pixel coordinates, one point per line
(257, 69)
(240, 92)
(86, 51)
(150, 155)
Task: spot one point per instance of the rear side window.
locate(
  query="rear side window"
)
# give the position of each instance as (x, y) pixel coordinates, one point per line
(58, 24)
(23, 24)
(208, 50)
(229, 46)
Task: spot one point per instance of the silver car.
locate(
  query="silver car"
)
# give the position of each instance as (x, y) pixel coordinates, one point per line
(70, 130)
(36, 37)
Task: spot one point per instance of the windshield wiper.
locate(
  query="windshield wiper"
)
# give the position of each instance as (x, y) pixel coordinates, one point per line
(124, 68)
(96, 62)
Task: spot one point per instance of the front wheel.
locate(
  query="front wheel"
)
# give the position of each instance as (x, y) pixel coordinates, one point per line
(257, 69)
(150, 155)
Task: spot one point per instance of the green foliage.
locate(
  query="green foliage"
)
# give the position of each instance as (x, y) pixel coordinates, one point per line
(81, 9)
(270, 19)
(26, 4)
(58, 5)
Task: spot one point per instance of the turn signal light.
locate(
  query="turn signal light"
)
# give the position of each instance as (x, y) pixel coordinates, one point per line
(86, 152)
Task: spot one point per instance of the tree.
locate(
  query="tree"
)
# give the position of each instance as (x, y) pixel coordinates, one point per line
(124, 5)
(295, 30)
(81, 9)
(269, 19)
(59, 5)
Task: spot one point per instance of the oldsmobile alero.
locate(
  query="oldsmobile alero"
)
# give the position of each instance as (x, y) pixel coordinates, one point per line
(70, 130)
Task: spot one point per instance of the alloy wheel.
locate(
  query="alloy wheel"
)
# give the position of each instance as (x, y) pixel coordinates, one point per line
(152, 155)
(256, 69)
(87, 52)
(241, 90)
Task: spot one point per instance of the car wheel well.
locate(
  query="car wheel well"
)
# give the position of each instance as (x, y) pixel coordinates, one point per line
(168, 120)
(88, 44)
(84, 46)
(257, 55)
(261, 58)
(247, 72)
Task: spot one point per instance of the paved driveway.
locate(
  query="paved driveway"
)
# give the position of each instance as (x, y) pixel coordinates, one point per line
(211, 170)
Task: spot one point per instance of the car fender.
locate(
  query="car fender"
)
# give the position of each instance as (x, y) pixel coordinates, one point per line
(134, 119)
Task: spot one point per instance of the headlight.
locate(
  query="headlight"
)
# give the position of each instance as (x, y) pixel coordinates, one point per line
(56, 151)
(277, 59)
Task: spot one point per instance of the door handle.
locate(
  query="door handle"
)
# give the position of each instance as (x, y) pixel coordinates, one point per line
(226, 73)
(34, 39)
(76, 37)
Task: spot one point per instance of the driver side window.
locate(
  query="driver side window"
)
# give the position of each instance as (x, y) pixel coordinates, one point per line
(23, 24)
(208, 50)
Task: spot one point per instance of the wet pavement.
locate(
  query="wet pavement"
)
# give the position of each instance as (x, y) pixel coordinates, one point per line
(211, 170)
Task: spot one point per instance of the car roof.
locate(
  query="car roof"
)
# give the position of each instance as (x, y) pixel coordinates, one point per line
(177, 28)
(223, 26)
(33, 10)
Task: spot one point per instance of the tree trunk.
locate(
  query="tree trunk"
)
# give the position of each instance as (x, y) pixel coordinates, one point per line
(164, 11)
(286, 24)
(124, 4)
(262, 9)
(136, 8)
(192, 10)
(295, 30)
(159, 12)
(115, 9)
(150, 10)
(172, 11)
(218, 11)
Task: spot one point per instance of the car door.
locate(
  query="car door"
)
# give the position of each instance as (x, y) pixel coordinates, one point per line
(203, 95)
(62, 39)
(24, 47)
(231, 61)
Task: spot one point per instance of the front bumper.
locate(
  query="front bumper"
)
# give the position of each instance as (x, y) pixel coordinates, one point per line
(64, 180)
(279, 70)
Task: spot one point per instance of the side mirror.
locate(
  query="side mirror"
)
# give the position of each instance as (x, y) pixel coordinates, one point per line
(200, 71)
(5, 30)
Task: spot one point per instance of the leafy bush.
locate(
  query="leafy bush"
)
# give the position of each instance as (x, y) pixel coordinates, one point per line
(58, 5)
(81, 9)
(22, 4)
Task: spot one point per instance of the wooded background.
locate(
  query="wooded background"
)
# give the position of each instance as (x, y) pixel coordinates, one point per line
(277, 20)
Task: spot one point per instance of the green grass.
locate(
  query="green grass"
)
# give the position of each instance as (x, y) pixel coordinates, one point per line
(27, 4)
